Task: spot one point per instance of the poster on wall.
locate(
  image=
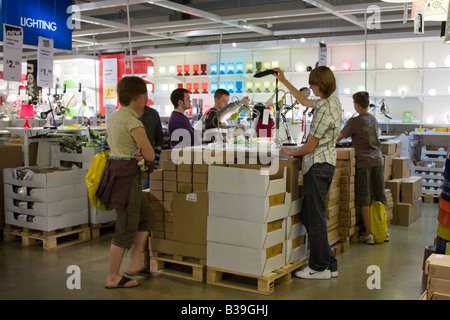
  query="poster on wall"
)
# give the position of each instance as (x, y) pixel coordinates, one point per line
(45, 63)
(12, 52)
(40, 18)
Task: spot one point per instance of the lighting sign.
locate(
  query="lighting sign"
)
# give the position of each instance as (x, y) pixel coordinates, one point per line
(50, 19)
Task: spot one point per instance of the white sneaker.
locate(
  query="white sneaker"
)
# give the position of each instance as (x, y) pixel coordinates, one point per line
(334, 274)
(308, 273)
(367, 238)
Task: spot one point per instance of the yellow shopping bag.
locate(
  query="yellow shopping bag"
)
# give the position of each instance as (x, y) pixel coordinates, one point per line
(94, 177)
(378, 221)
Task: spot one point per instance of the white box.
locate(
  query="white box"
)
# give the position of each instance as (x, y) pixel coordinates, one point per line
(85, 157)
(245, 260)
(46, 180)
(244, 181)
(296, 206)
(247, 207)
(97, 216)
(49, 209)
(244, 233)
(294, 227)
(49, 194)
(49, 223)
(294, 251)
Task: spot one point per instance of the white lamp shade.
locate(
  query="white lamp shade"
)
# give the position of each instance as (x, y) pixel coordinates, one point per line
(436, 10)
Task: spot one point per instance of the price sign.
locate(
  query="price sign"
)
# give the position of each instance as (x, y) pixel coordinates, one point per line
(12, 53)
(109, 92)
(45, 63)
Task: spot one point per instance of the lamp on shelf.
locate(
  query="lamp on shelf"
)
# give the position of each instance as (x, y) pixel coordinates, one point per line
(238, 86)
(205, 87)
(258, 66)
(266, 65)
(195, 68)
(213, 87)
(222, 68)
(26, 111)
(186, 70)
(213, 68)
(230, 87)
(249, 67)
(258, 85)
(180, 70)
(196, 87)
(239, 67)
(230, 68)
(203, 67)
(267, 86)
(189, 87)
(249, 86)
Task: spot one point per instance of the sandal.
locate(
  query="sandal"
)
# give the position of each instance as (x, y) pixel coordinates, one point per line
(122, 284)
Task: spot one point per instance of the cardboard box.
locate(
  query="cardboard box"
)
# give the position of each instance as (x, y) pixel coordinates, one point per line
(47, 223)
(156, 184)
(200, 178)
(168, 165)
(199, 187)
(11, 158)
(156, 174)
(49, 209)
(404, 214)
(49, 194)
(184, 177)
(184, 187)
(401, 167)
(249, 207)
(296, 206)
(184, 167)
(411, 189)
(437, 285)
(245, 233)
(190, 213)
(438, 266)
(395, 186)
(296, 249)
(177, 248)
(294, 227)
(169, 175)
(168, 186)
(345, 153)
(154, 195)
(200, 168)
(85, 157)
(389, 146)
(46, 177)
(245, 181)
(245, 260)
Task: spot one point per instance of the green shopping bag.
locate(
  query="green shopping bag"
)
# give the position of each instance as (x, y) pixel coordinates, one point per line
(378, 219)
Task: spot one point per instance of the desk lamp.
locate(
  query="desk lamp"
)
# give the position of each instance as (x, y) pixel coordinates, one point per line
(26, 111)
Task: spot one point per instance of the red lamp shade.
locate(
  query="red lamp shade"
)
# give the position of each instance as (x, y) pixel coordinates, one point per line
(186, 70)
(180, 70)
(26, 111)
(195, 67)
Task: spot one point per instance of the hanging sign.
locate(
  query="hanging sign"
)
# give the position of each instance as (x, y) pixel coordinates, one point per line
(322, 54)
(45, 63)
(32, 87)
(12, 52)
(419, 21)
(40, 18)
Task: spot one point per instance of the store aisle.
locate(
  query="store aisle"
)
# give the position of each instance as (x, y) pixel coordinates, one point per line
(31, 273)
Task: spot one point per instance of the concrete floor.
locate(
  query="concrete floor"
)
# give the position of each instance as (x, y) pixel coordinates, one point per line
(32, 273)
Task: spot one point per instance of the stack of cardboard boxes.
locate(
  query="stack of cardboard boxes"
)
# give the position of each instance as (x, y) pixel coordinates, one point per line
(407, 197)
(390, 149)
(437, 267)
(332, 208)
(346, 163)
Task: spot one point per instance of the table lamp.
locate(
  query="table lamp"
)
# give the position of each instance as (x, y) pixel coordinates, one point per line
(26, 111)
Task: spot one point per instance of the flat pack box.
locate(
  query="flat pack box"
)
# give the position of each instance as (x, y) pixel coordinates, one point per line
(296, 206)
(45, 177)
(190, 212)
(401, 167)
(245, 260)
(156, 174)
(11, 158)
(294, 227)
(85, 157)
(437, 286)
(235, 180)
(246, 233)
(47, 223)
(48, 209)
(411, 189)
(395, 185)
(389, 146)
(296, 249)
(177, 248)
(404, 214)
(48, 194)
(249, 207)
(438, 266)
(345, 153)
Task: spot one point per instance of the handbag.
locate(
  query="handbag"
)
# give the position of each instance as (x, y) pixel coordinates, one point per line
(378, 221)
(94, 176)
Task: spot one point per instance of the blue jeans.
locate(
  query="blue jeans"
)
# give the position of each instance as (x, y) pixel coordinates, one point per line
(316, 183)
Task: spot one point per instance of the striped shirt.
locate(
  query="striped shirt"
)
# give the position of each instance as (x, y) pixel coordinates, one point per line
(325, 126)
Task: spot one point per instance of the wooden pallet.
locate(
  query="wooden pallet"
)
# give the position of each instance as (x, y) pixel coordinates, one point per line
(430, 197)
(264, 284)
(51, 240)
(178, 266)
(101, 229)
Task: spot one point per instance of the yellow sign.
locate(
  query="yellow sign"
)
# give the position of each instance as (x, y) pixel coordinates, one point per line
(109, 92)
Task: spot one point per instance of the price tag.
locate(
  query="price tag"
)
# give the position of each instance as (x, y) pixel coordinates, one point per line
(12, 52)
(45, 63)
(109, 92)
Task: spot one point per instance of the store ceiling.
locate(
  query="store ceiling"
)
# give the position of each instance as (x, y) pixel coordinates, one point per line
(178, 25)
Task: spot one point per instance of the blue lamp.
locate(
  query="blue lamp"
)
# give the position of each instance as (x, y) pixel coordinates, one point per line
(230, 68)
(222, 68)
(213, 86)
(213, 68)
(239, 67)
(238, 86)
(230, 87)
